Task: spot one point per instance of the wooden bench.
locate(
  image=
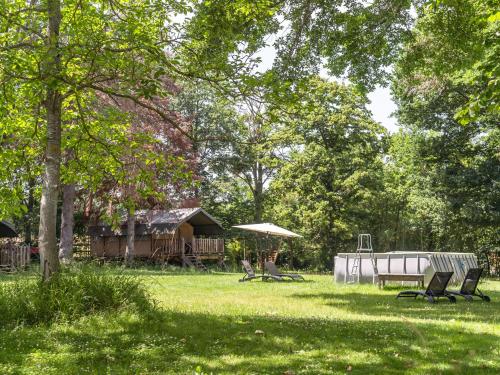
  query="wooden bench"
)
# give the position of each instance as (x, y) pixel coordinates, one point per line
(383, 277)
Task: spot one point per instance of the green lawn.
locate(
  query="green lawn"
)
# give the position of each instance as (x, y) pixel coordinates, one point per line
(209, 322)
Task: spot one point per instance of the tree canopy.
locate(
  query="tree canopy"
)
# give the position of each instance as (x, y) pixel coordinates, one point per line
(157, 103)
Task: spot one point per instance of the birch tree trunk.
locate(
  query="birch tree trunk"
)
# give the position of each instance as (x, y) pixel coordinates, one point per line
(130, 249)
(67, 224)
(49, 260)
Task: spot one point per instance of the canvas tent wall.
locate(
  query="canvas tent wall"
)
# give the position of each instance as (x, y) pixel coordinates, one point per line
(157, 229)
(405, 262)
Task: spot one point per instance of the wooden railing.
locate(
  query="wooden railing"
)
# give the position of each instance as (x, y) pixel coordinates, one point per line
(168, 247)
(208, 246)
(81, 248)
(14, 257)
(199, 246)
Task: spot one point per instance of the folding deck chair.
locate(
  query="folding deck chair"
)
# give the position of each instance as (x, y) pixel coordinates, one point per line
(469, 286)
(271, 268)
(435, 289)
(250, 274)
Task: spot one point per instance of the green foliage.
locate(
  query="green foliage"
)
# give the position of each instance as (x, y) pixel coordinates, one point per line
(223, 38)
(445, 104)
(327, 187)
(453, 51)
(69, 295)
(275, 146)
(234, 142)
(354, 39)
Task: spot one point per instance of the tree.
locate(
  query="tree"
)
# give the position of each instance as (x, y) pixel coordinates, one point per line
(234, 145)
(354, 39)
(331, 176)
(143, 160)
(433, 85)
(253, 157)
(62, 51)
(86, 47)
(461, 40)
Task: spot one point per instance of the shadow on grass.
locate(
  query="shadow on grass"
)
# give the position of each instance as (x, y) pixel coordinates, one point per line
(383, 304)
(185, 272)
(174, 342)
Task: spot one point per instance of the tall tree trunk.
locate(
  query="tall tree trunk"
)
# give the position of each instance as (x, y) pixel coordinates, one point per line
(28, 221)
(49, 260)
(259, 207)
(130, 249)
(258, 193)
(67, 223)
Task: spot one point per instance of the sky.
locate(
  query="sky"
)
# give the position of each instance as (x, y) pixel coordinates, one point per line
(381, 104)
(382, 107)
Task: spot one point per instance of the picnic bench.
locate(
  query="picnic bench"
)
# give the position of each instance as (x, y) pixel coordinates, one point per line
(383, 277)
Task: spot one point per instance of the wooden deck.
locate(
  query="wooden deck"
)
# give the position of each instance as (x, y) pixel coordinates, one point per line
(204, 248)
(207, 246)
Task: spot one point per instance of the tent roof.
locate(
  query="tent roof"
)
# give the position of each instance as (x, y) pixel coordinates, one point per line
(268, 228)
(196, 216)
(165, 221)
(7, 229)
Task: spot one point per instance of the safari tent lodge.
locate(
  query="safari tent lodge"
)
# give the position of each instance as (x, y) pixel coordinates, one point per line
(185, 235)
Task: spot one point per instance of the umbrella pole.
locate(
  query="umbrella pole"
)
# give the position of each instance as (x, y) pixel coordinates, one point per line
(266, 254)
(262, 254)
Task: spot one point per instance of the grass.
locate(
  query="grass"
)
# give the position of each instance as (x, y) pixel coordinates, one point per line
(69, 295)
(207, 324)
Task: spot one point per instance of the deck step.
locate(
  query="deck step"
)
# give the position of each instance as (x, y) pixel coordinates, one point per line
(194, 261)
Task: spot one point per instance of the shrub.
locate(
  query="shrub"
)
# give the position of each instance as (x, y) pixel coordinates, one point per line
(69, 295)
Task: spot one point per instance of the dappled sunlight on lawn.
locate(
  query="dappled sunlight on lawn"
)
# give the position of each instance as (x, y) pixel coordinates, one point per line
(216, 324)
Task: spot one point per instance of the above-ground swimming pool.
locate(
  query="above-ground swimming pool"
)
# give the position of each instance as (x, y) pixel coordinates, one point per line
(404, 262)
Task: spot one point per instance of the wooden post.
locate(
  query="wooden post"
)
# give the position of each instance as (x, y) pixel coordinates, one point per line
(182, 252)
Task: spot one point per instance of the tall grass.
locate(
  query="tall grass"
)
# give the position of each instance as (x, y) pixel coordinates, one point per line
(69, 295)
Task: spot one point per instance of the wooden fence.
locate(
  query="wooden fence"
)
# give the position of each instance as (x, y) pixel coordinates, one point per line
(14, 257)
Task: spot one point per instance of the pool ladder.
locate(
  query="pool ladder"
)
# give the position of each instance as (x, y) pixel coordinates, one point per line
(364, 247)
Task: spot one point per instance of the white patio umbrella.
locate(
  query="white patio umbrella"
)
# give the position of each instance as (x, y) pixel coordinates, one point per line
(269, 229)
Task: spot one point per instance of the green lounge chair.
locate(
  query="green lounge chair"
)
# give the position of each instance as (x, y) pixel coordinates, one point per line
(273, 270)
(469, 286)
(435, 289)
(250, 274)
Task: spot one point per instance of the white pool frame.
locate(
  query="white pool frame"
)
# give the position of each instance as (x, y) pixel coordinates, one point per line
(404, 262)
